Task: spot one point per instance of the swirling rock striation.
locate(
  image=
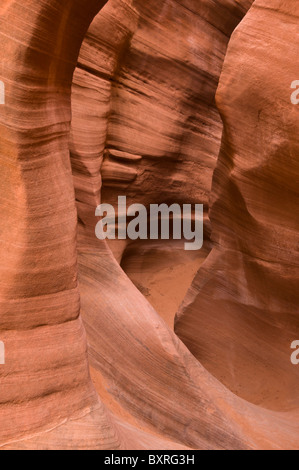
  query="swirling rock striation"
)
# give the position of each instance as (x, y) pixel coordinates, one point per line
(144, 123)
(249, 282)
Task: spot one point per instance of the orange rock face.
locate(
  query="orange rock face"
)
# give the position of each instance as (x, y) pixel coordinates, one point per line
(250, 280)
(114, 98)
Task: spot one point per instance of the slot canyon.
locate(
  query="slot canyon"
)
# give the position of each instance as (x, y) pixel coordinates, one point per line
(121, 344)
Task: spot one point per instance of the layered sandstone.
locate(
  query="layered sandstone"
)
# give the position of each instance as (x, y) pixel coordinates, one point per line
(145, 125)
(46, 393)
(250, 280)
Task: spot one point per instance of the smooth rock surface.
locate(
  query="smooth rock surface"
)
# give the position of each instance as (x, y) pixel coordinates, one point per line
(145, 125)
(249, 282)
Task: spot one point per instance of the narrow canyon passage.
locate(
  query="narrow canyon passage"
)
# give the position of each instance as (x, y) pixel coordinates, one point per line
(143, 345)
(160, 131)
(145, 126)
